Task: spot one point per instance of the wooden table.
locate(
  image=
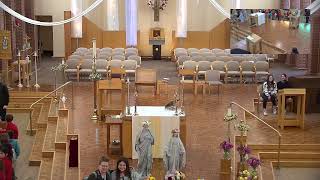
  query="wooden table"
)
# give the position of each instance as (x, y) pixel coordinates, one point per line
(298, 120)
(146, 77)
(162, 83)
(109, 86)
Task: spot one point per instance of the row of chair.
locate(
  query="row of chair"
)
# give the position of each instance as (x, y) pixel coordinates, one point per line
(230, 69)
(84, 67)
(253, 58)
(202, 50)
(105, 53)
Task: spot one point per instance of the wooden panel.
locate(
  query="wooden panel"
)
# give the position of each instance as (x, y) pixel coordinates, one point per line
(220, 35)
(67, 35)
(195, 39)
(114, 39)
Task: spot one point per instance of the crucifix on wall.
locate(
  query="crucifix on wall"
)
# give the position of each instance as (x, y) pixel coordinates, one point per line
(156, 11)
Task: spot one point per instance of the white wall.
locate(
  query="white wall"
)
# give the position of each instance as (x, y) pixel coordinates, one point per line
(259, 4)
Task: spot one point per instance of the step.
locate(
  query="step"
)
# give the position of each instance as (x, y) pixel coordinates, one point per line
(291, 155)
(285, 147)
(61, 135)
(299, 164)
(45, 169)
(36, 152)
(59, 165)
(27, 94)
(34, 117)
(43, 118)
(49, 140)
(27, 99)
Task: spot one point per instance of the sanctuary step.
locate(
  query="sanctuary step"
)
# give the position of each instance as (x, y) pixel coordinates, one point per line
(36, 153)
(45, 169)
(59, 164)
(49, 140)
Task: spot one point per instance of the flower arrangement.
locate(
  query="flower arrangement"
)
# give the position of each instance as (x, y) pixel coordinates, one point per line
(244, 151)
(242, 127)
(253, 162)
(226, 147)
(229, 116)
(247, 175)
(162, 4)
(177, 176)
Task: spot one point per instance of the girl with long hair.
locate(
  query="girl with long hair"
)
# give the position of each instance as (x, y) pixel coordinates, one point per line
(269, 94)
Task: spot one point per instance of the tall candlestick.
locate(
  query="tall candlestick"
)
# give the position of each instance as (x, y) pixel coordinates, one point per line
(229, 111)
(19, 70)
(94, 48)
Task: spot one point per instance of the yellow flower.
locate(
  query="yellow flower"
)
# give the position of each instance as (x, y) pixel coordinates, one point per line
(255, 177)
(152, 178)
(241, 178)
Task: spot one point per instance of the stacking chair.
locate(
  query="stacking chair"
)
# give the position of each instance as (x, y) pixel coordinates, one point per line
(181, 60)
(217, 51)
(105, 56)
(219, 66)
(88, 56)
(116, 68)
(78, 53)
(261, 57)
(247, 70)
(102, 66)
(176, 50)
(118, 50)
(116, 53)
(193, 54)
(232, 70)
(197, 58)
(205, 50)
(130, 53)
(261, 69)
(118, 57)
(106, 50)
(130, 67)
(81, 49)
(212, 78)
(85, 68)
(224, 58)
(206, 54)
(210, 58)
(77, 57)
(132, 50)
(179, 54)
(72, 67)
(202, 67)
(192, 65)
(220, 54)
(136, 58)
(227, 51)
(190, 50)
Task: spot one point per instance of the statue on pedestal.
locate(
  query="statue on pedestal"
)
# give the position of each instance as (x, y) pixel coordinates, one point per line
(143, 146)
(174, 156)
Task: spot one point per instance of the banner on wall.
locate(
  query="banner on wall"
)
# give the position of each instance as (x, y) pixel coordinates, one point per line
(5, 45)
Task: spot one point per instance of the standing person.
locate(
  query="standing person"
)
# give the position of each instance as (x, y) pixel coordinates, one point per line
(123, 171)
(11, 126)
(143, 146)
(269, 93)
(7, 174)
(4, 100)
(102, 173)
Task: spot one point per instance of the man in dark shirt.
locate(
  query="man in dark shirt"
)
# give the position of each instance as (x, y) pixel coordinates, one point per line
(4, 100)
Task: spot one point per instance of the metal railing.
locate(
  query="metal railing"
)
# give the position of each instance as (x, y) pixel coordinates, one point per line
(256, 117)
(39, 100)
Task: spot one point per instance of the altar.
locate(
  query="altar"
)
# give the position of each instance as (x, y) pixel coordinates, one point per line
(257, 19)
(162, 122)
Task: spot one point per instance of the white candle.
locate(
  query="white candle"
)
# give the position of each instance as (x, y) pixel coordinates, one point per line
(229, 112)
(94, 48)
(62, 61)
(35, 53)
(19, 53)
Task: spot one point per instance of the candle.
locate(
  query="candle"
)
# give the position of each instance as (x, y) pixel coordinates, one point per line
(229, 112)
(19, 53)
(35, 53)
(94, 48)
(62, 61)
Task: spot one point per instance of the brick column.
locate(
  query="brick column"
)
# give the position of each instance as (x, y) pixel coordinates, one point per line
(285, 4)
(315, 43)
(294, 4)
(30, 29)
(304, 4)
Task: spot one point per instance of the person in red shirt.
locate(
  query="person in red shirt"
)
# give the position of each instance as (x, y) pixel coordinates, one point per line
(11, 126)
(7, 172)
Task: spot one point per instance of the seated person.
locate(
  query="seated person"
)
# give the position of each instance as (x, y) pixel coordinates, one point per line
(269, 89)
(123, 171)
(283, 83)
(102, 173)
(11, 126)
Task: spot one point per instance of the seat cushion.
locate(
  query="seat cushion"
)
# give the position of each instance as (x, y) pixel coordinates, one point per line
(233, 73)
(247, 73)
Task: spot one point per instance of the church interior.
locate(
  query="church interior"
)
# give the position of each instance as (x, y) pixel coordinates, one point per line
(181, 89)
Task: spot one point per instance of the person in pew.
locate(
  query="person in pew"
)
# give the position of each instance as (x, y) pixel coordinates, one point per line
(103, 172)
(4, 100)
(124, 172)
(269, 89)
(7, 172)
(11, 126)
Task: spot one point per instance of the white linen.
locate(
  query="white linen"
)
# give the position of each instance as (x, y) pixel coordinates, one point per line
(261, 18)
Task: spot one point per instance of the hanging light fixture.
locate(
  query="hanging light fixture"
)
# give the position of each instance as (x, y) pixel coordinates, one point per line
(76, 25)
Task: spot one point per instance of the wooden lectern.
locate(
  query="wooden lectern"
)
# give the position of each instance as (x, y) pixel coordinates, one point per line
(109, 86)
(298, 120)
(146, 77)
(253, 41)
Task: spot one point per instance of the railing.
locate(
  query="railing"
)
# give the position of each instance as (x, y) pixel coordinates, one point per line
(279, 134)
(33, 104)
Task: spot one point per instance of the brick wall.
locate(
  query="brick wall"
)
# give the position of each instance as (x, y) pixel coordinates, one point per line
(315, 43)
(294, 4)
(304, 4)
(285, 4)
